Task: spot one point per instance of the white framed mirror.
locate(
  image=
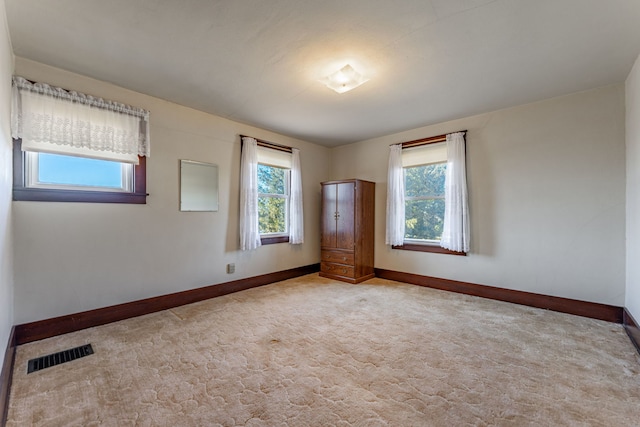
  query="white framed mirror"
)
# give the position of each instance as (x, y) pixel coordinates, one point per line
(198, 186)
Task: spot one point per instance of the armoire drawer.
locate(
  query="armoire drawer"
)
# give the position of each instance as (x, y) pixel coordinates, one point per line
(339, 257)
(337, 269)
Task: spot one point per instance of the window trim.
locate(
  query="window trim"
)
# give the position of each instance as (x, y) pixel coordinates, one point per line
(427, 247)
(271, 240)
(24, 193)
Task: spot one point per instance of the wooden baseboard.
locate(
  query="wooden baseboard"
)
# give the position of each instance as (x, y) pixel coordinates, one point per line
(593, 310)
(631, 326)
(35, 331)
(348, 279)
(6, 375)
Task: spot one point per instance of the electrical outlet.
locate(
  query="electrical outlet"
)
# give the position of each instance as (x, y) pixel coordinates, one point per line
(231, 268)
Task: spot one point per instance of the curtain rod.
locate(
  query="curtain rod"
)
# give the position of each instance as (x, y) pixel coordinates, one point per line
(267, 144)
(425, 141)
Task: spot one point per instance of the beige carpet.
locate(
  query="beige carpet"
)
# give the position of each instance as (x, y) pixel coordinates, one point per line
(316, 352)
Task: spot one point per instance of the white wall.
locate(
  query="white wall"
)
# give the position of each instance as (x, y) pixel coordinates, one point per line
(71, 257)
(632, 299)
(6, 182)
(547, 199)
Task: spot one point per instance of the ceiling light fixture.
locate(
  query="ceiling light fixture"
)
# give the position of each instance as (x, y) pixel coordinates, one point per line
(344, 79)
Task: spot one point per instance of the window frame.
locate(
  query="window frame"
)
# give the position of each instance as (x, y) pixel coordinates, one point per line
(272, 238)
(414, 241)
(21, 192)
(32, 169)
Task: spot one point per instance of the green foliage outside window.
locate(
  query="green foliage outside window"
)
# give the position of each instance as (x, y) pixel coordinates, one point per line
(271, 180)
(424, 201)
(272, 199)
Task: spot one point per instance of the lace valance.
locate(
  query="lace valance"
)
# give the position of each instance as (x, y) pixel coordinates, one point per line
(55, 120)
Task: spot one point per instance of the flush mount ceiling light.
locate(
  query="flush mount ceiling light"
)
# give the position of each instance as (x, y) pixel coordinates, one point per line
(344, 79)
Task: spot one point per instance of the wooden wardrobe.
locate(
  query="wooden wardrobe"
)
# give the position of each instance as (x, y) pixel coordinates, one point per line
(347, 230)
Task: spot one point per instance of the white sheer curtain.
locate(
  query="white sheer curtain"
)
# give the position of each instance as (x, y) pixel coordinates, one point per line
(51, 119)
(395, 198)
(296, 218)
(455, 233)
(249, 232)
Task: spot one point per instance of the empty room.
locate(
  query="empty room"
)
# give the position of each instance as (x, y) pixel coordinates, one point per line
(319, 213)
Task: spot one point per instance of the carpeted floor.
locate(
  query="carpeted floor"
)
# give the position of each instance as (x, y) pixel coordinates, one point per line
(316, 352)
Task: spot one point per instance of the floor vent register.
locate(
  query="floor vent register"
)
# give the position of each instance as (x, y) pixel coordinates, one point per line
(59, 358)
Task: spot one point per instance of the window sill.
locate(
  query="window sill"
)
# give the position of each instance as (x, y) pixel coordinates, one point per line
(428, 248)
(51, 195)
(274, 240)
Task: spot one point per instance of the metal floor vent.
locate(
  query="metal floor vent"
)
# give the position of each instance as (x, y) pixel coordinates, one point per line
(58, 358)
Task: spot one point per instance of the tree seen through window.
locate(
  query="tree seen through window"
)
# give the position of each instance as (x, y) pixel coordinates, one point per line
(424, 201)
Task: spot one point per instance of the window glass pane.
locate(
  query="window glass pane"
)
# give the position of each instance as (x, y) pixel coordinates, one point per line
(424, 219)
(271, 180)
(272, 214)
(69, 170)
(427, 180)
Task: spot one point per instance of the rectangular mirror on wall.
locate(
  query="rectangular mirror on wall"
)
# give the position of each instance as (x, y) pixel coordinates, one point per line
(198, 186)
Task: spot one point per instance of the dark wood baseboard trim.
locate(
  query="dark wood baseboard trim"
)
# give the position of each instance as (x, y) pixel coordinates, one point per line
(631, 326)
(348, 279)
(593, 310)
(6, 375)
(35, 331)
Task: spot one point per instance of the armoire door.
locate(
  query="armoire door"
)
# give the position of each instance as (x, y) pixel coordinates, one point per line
(345, 218)
(329, 209)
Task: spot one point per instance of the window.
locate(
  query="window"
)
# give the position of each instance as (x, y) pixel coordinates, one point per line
(271, 208)
(44, 170)
(427, 195)
(273, 201)
(424, 170)
(424, 202)
(72, 147)
(64, 178)
(274, 172)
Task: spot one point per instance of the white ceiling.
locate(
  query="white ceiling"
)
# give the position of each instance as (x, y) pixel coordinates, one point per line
(259, 61)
